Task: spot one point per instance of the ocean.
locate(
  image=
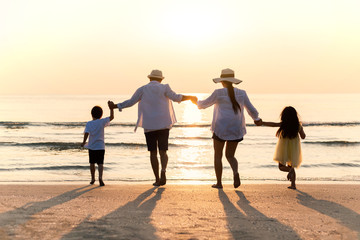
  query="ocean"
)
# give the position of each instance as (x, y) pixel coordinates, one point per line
(40, 140)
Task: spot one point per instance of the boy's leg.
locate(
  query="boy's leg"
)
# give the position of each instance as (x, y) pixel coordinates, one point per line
(92, 172)
(92, 165)
(101, 170)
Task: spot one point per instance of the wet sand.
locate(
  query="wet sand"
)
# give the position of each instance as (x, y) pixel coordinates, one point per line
(140, 211)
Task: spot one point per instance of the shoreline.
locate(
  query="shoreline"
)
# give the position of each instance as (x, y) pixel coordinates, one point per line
(174, 211)
(183, 182)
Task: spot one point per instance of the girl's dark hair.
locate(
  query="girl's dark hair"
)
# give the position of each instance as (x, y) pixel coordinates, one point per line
(96, 112)
(235, 104)
(289, 126)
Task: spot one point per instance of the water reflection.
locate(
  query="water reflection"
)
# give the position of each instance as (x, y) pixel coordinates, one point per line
(191, 113)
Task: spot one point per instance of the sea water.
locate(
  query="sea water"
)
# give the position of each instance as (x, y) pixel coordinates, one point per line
(40, 140)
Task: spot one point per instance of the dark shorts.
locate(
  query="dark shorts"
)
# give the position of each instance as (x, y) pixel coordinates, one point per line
(159, 138)
(96, 156)
(222, 140)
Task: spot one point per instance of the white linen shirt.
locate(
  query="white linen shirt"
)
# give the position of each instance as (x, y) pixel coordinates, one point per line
(226, 124)
(95, 128)
(155, 110)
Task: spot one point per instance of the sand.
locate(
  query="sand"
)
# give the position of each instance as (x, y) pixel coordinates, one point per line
(140, 211)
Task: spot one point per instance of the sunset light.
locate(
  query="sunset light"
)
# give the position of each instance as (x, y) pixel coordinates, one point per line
(188, 119)
(192, 23)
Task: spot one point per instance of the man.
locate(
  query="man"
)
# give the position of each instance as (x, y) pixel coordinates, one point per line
(156, 115)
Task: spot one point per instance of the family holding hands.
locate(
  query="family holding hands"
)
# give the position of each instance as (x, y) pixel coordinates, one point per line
(156, 116)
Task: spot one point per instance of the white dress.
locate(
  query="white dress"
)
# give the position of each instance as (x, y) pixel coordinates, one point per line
(288, 151)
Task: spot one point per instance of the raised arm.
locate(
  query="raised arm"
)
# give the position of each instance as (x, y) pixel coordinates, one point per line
(254, 114)
(207, 102)
(136, 97)
(111, 106)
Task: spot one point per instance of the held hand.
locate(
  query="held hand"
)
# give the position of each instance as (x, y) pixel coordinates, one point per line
(83, 144)
(111, 105)
(258, 122)
(194, 99)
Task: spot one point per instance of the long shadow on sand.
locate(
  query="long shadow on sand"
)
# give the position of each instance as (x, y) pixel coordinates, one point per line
(252, 224)
(10, 220)
(131, 221)
(343, 215)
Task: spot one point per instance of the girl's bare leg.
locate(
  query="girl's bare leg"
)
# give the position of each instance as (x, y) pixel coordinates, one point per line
(291, 176)
(218, 151)
(230, 156)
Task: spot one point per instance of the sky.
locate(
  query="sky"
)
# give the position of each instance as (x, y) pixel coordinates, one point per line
(109, 47)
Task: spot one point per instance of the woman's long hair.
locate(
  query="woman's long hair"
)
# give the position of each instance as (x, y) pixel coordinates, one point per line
(235, 104)
(289, 126)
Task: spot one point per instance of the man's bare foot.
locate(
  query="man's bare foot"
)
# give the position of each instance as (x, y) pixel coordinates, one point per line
(156, 184)
(92, 181)
(237, 182)
(217, 186)
(292, 187)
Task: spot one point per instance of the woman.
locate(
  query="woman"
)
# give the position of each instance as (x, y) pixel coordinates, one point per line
(228, 125)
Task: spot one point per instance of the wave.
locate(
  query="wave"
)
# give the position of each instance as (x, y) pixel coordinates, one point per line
(48, 168)
(333, 143)
(332, 124)
(331, 165)
(62, 146)
(318, 165)
(20, 125)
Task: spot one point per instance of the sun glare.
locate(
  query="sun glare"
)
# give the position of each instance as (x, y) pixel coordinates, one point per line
(191, 113)
(192, 23)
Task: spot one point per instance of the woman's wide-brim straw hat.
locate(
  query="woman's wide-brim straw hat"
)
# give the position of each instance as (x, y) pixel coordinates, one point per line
(227, 75)
(156, 74)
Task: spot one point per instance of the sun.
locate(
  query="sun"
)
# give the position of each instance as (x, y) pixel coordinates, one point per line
(192, 22)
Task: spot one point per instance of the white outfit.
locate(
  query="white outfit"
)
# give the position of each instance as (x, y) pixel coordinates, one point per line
(95, 128)
(226, 124)
(155, 110)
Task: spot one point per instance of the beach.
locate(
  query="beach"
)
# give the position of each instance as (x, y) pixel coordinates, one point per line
(175, 211)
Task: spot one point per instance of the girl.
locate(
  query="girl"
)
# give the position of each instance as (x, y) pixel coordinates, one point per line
(288, 148)
(228, 124)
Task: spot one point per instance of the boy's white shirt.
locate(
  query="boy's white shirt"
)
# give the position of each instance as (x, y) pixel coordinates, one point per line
(155, 109)
(226, 124)
(95, 128)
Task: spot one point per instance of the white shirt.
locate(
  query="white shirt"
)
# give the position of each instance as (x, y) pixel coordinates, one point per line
(226, 124)
(155, 110)
(95, 128)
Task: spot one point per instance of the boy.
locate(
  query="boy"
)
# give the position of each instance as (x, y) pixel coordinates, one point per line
(95, 131)
(156, 115)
